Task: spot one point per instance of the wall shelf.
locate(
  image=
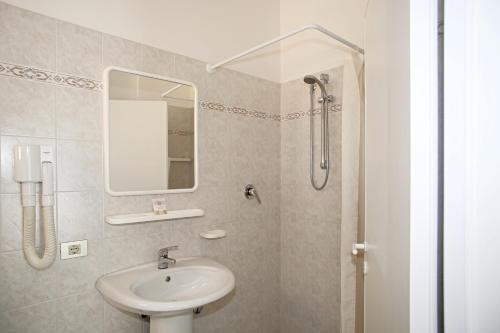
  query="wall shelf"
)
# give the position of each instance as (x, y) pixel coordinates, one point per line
(152, 217)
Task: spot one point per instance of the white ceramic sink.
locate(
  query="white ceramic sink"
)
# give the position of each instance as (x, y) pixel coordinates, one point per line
(167, 295)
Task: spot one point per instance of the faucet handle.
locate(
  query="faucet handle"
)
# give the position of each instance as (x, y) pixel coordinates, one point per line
(251, 193)
(163, 252)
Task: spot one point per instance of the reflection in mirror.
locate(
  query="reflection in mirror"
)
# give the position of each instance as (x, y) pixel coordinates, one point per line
(151, 134)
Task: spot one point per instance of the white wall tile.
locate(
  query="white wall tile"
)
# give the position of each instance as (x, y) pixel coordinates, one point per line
(80, 313)
(121, 52)
(27, 38)
(40, 318)
(79, 215)
(11, 227)
(28, 108)
(78, 51)
(79, 165)
(78, 114)
(12, 284)
(118, 321)
(42, 286)
(157, 61)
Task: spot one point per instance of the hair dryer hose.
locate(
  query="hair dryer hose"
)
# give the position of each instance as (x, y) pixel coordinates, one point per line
(49, 233)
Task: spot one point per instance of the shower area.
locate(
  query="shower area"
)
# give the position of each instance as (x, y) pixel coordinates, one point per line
(319, 203)
(322, 192)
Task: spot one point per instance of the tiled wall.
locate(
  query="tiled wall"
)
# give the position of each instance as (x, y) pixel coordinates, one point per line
(310, 219)
(50, 74)
(285, 253)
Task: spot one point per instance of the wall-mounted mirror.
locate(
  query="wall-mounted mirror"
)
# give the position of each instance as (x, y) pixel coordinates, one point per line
(150, 133)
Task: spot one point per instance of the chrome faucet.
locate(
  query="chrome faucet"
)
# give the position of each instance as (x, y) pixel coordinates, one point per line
(163, 259)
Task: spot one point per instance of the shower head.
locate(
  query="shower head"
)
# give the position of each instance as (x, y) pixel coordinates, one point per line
(311, 79)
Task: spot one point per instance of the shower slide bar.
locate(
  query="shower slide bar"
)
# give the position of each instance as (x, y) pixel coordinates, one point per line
(212, 68)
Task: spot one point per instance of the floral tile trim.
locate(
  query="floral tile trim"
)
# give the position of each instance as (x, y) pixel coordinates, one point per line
(40, 75)
(297, 115)
(218, 107)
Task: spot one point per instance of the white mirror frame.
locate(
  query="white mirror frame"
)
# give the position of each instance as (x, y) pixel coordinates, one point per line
(106, 74)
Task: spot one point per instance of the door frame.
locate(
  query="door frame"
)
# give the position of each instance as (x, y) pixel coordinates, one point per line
(424, 172)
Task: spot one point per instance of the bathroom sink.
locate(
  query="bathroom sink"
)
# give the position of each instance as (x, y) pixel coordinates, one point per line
(167, 295)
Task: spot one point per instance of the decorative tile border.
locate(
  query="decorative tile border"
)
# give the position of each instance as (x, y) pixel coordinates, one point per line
(297, 115)
(218, 107)
(40, 75)
(46, 76)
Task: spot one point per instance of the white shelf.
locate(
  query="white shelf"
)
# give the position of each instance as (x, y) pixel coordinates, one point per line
(151, 216)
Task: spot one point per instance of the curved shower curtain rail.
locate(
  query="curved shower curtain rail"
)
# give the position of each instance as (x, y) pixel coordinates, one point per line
(212, 68)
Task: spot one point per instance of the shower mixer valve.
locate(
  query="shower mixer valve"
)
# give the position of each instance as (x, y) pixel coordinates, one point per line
(251, 193)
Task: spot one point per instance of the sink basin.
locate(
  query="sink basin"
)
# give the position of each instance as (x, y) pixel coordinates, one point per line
(167, 295)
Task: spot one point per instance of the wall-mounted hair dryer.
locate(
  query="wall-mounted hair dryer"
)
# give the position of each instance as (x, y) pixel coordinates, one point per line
(32, 166)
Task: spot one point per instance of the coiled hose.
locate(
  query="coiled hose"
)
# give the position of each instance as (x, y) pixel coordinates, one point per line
(49, 234)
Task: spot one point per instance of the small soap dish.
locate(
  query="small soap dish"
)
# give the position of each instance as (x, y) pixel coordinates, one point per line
(213, 234)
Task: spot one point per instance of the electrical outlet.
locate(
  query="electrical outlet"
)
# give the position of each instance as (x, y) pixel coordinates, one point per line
(74, 249)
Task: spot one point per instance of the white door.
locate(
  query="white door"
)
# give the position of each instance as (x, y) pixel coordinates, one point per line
(400, 287)
(472, 166)
(401, 166)
(387, 167)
